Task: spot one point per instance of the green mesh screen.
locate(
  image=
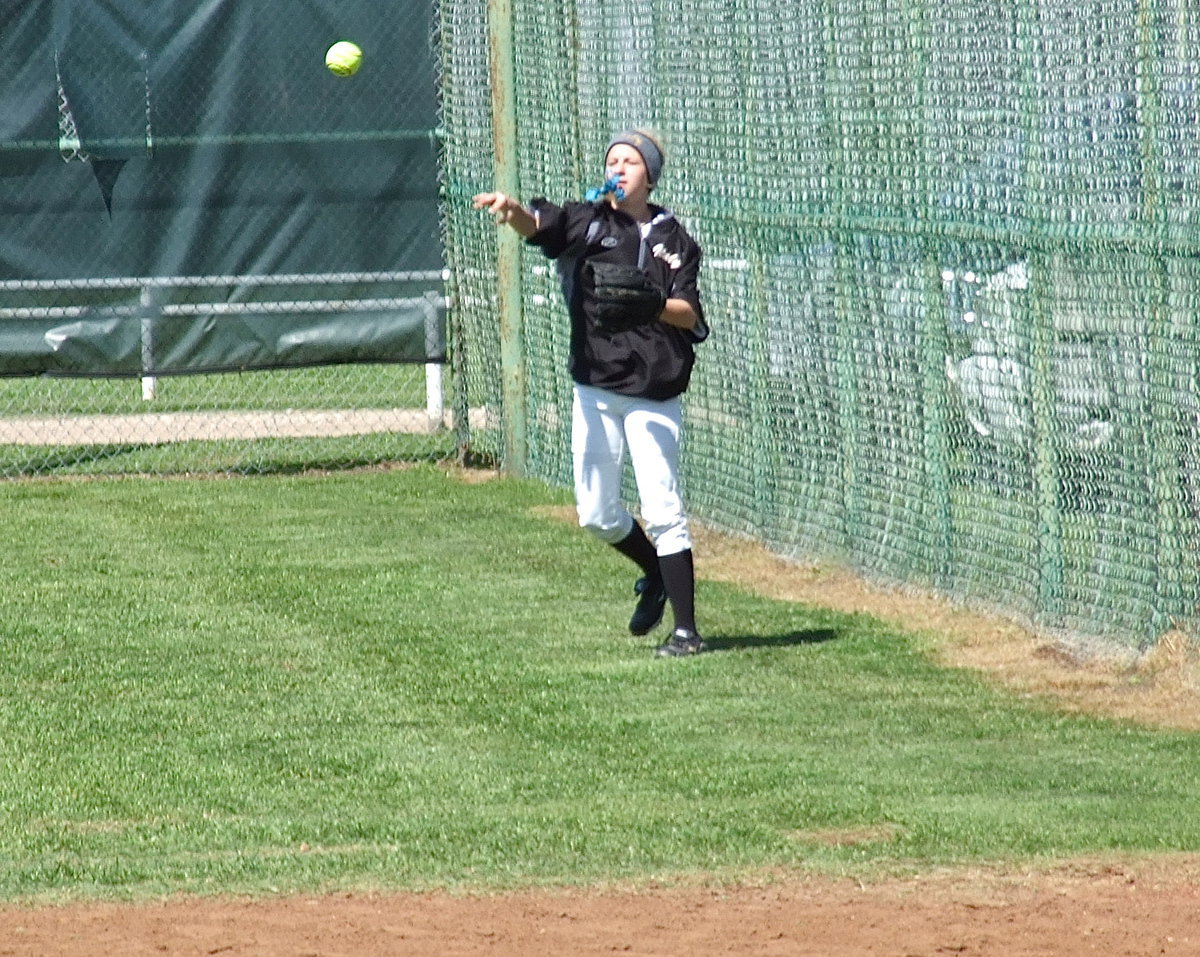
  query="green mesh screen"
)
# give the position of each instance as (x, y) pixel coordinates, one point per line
(950, 269)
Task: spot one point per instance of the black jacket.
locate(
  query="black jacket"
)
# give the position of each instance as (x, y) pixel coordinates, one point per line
(653, 360)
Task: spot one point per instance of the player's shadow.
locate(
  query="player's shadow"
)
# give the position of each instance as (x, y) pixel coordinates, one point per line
(814, 636)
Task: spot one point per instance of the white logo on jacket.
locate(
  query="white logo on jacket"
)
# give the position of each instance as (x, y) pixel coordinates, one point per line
(671, 259)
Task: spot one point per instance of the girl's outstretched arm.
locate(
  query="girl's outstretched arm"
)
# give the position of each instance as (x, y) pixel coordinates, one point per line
(507, 210)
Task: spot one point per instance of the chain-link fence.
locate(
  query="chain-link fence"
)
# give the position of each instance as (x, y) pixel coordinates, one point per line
(217, 254)
(950, 270)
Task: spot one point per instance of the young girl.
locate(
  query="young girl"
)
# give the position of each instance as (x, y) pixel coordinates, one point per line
(631, 362)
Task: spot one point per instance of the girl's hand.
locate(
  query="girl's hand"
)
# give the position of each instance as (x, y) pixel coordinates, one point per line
(499, 205)
(507, 210)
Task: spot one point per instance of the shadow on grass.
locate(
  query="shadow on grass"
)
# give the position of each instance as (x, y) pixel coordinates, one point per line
(813, 636)
(29, 461)
(264, 456)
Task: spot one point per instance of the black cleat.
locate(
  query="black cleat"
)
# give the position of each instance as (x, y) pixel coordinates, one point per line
(651, 602)
(682, 644)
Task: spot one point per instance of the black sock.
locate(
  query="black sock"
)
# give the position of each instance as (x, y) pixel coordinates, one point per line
(679, 577)
(638, 548)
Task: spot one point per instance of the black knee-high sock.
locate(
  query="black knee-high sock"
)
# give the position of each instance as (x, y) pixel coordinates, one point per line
(679, 578)
(638, 548)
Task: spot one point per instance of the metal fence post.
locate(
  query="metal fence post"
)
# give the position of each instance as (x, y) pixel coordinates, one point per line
(508, 243)
(149, 380)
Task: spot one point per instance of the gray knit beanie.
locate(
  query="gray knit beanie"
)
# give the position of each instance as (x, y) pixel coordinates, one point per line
(647, 146)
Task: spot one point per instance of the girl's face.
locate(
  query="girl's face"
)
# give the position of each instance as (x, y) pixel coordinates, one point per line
(627, 165)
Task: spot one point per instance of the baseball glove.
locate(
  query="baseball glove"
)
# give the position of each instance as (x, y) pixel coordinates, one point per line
(623, 297)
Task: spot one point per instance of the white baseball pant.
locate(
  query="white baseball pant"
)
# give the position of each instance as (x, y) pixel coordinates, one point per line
(604, 425)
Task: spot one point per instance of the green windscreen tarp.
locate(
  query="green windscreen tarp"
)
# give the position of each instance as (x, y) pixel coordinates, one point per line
(186, 188)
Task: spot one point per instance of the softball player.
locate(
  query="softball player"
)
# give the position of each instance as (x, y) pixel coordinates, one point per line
(629, 273)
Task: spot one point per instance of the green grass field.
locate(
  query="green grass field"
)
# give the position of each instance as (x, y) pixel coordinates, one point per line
(402, 680)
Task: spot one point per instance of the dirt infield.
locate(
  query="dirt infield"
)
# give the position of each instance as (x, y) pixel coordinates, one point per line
(1114, 910)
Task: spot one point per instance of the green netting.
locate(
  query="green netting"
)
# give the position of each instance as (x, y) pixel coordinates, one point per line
(950, 269)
